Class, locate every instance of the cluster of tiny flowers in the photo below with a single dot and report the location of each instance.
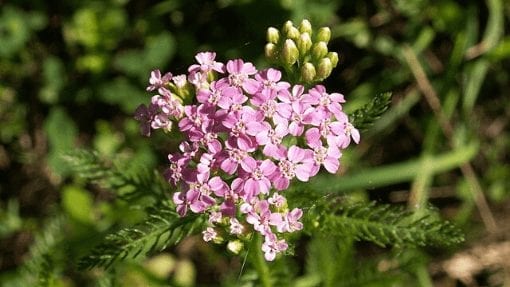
(247, 136)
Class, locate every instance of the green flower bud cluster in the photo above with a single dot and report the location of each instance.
(301, 51)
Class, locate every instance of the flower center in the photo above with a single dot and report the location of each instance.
(296, 117)
(319, 155)
(275, 139)
(214, 97)
(269, 108)
(287, 168)
(236, 154)
(257, 174)
(236, 79)
(324, 100)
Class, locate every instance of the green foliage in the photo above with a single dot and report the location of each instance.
(387, 225)
(43, 266)
(331, 262)
(364, 117)
(161, 229)
(61, 132)
(129, 183)
(10, 218)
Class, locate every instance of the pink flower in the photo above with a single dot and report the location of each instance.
(206, 63)
(277, 200)
(271, 139)
(215, 94)
(192, 199)
(215, 217)
(236, 227)
(177, 170)
(235, 156)
(209, 234)
(295, 96)
(340, 132)
(270, 85)
(259, 216)
(241, 124)
(234, 151)
(291, 222)
(168, 104)
(158, 82)
(145, 115)
(232, 99)
(195, 118)
(273, 246)
(257, 180)
(298, 163)
(298, 114)
(329, 157)
(239, 76)
(327, 103)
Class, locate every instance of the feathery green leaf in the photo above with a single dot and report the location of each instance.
(129, 185)
(387, 225)
(162, 228)
(364, 117)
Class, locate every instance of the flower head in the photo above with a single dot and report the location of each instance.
(246, 135)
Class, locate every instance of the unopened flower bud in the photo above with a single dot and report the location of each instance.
(273, 35)
(304, 43)
(290, 52)
(308, 72)
(305, 26)
(333, 56)
(319, 50)
(271, 52)
(287, 26)
(324, 68)
(235, 246)
(293, 33)
(324, 34)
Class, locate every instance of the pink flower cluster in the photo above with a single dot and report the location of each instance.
(247, 136)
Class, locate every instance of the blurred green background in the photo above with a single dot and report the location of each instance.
(72, 73)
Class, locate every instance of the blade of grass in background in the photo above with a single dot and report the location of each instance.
(395, 173)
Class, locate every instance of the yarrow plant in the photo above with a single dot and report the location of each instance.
(248, 134)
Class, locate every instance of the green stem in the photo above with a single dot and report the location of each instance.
(259, 262)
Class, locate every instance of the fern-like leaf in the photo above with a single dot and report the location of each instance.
(44, 260)
(162, 228)
(387, 225)
(364, 117)
(129, 185)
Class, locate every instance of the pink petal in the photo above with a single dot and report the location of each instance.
(295, 154)
(285, 110)
(229, 166)
(177, 198)
(249, 164)
(331, 164)
(355, 135)
(281, 183)
(267, 167)
(296, 129)
(313, 137)
(264, 185)
(336, 97)
(303, 172)
(251, 86)
(251, 188)
(182, 210)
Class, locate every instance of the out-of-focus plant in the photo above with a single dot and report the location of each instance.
(218, 171)
(70, 76)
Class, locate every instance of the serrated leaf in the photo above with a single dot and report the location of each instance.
(364, 117)
(162, 228)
